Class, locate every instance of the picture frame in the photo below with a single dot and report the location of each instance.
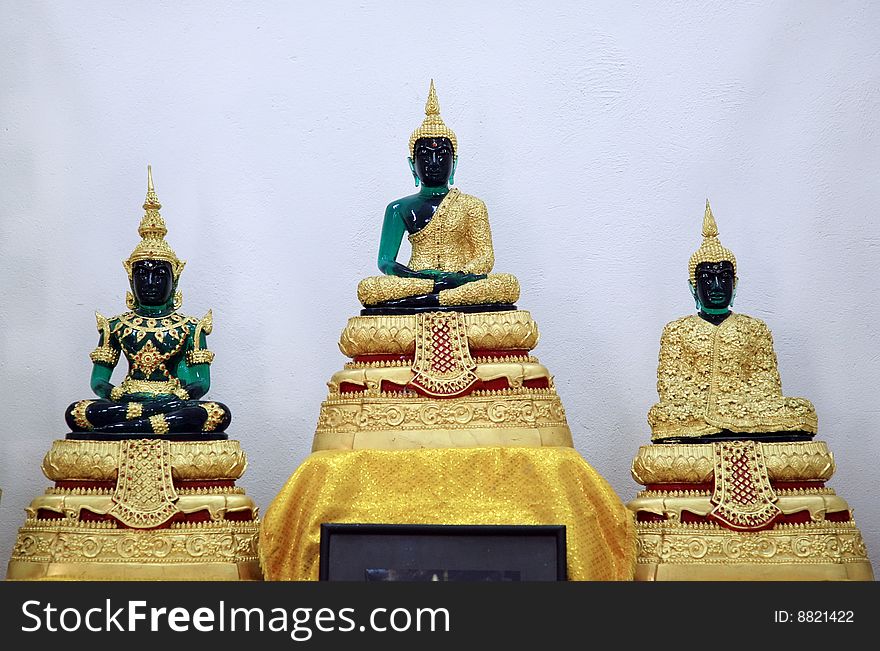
(404, 552)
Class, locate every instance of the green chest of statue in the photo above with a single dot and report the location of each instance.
(153, 346)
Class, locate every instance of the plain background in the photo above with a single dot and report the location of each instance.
(594, 132)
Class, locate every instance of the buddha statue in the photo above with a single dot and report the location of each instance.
(441, 414)
(144, 486)
(168, 362)
(734, 484)
(717, 377)
(452, 256)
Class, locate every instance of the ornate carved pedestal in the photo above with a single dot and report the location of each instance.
(445, 418)
(743, 510)
(140, 509)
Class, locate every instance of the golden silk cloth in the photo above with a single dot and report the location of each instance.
(489, 486)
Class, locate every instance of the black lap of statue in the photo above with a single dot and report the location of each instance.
(168, 362)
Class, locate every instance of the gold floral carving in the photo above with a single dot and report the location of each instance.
(396, 334)
(209, 543)
(99, 460)
(510, 408)
(817, 542)
(694, 463)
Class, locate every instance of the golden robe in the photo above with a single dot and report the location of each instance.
(457, 238)
(712, 378)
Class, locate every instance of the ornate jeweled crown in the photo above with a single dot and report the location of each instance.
(152, 231)
(710, 250)
(433, 125)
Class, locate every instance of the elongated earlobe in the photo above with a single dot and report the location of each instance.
(452, 174)
(412, 168)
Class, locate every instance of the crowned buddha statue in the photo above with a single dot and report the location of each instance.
(168, 361)
(145, 481)
(442, 415)
(735, 483)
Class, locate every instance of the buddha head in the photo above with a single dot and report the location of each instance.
(152, 282)
(433, 147)
(153, 268)
(715, 282)
(712, 270)
(433, 161)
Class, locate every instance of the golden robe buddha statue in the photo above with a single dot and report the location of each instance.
(441, 415)
(452, 255)
(717, 370)
(734, 484)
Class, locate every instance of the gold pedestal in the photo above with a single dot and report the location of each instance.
(445, 418)
(142, 509)
(743, 511)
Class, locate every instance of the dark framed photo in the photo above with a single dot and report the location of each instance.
(402, 552)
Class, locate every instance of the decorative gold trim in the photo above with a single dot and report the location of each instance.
(443, 367)
(432, 126)
(152, 230)
(210, 551)
(150, 387)
(79, 414)
(99, 460)
(711, 249)
(104, 353)
(743, 496)
(194, 357)
(371, 376)
(134, 410)
(524, 417)
(215, 415)
(396, 334)
(159, 424)
(707, 551)
(671, 504)
(216, 501)
(145, 495)
(693, 463)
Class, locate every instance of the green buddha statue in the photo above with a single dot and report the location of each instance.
(717, 376)
(452, 255)
(168, 362)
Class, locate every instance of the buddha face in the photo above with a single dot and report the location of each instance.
(433, 161)
(715, 284)
(152, 282)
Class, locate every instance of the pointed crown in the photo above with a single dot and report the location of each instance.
(152, 231)
(710, 250)
(433, 125)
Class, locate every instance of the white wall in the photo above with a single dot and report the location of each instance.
(593, 131)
